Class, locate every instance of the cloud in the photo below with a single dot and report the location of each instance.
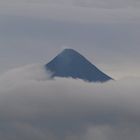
(34, 107)
(81, 3)
(89, 12)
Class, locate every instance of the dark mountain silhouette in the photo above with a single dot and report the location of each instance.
(69, 63)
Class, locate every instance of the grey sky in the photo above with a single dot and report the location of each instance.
(106, 32)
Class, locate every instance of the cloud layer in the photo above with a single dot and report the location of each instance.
(81, 3)
(33, 107)
(75, 11)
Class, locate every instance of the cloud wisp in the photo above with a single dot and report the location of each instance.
(34, 107)
(87, 12)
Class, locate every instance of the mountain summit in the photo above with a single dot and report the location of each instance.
(70, 63)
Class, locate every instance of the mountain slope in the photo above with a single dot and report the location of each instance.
(70, 63)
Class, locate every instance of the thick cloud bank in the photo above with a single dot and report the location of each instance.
(33, 107)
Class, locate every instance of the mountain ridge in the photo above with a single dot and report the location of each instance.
(70, 63)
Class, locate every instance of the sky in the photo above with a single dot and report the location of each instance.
(105, 31)
(35, 107)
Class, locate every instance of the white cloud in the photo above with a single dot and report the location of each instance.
(33, 107)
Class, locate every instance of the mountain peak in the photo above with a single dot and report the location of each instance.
(70, 63)
(69, 52)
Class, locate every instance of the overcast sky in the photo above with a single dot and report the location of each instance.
(105, 31)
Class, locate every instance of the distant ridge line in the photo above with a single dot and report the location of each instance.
(70, 63)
